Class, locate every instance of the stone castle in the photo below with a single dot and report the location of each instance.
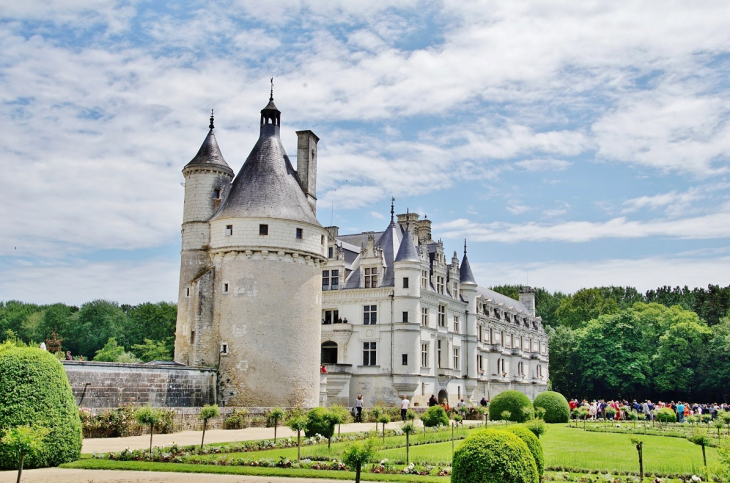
(266, 294)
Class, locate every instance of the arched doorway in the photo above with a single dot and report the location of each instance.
(443, 396)
(329, 352)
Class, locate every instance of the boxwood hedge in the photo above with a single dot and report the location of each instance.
(493, 456)
(666, 415)
(518, 405)
(34, 390)
(435, 416)
(555, 405)
(319, 422)
(533, 444)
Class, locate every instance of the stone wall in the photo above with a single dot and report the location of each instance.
(109, 385)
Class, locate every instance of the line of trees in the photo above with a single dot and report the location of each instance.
(144, 331)
(615, 342)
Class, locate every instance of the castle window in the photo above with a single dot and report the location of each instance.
(300, 233)
(438, 353)
(480, 363)
(216, 194)
(330, 317)
(229, 230)
(225, 287)
(404, 359)
(263, 229)
(192, 337)
(369, 354)
(480, 332)
(224, 348)
(335, 280)
(424, 355)
(405, 316)
(424, 317)
(424, 279)
(321, 239)
(496, 313)
(187, 292)
(370, 315)
(456, 359)
(456, 324)
(442, 316)
(325, 279)
(405, 282)
(371, 277)
(328, 354)
(331, 252)
(440, 281)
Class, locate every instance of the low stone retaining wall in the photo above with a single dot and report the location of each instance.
(109, 385)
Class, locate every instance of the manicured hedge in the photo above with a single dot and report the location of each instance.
(515, 402)
(494, 456)
(34, 390)
(533, 444)
(555, 405)
(435, 416)
(666, 415)
(318, 422)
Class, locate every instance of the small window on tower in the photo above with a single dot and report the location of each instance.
(405, 282)
(229, 230)
(331, 252)
(404, 359)
(263, 229)
(405, 316)
(321, 239)
(224, 348)
(300, 233)
(225, 287)
(187, 292)
(217, 194)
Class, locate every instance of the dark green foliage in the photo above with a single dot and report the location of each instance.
(34, 391)
(493, 456)
(666, 415)
(518, 405)
(318, 422)
(435, 416)
(533, 444)
(555, 405)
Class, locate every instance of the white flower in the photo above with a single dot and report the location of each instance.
(696, 478)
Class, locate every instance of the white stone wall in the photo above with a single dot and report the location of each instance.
(282, 235)
(200, 184)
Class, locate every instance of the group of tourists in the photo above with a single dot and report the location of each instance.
(597, 409)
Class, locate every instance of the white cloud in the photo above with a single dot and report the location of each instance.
(543, 164)
(643, 273)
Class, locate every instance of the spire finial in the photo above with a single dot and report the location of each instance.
(211, 119)
(271, 97)
(392, 209)
(464, 246)
(408, 219)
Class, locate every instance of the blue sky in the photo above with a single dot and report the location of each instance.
(572, 144)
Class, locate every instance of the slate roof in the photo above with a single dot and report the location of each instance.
(390, 242)
(465, 273)
(209, 154)
(501, 299)
(407, 251)
(267, 185)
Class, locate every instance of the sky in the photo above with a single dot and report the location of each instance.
(573, 144)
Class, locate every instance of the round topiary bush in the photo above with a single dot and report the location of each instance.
(666, 415)
(533, 444)
(34, 390)
(518, 405)
(555, 405)
(435, 416)
(494, 456)
(319, 422)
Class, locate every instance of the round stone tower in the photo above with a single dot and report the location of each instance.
(266, 250)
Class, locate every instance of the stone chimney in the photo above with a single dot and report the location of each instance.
(307, 165)
(527, 298)
(424, 229)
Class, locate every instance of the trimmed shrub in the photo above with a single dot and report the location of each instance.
(494, 456)
(666, 415)
(555, 405)
(518, 405)
(34, 391)
(319, 422)
(435, 416)
(533, 444)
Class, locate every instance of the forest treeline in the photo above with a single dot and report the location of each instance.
(145, 331)
(668, 343)
(615, 342)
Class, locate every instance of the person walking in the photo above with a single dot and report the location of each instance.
(358, 409)
(404, 405)
(432, 401)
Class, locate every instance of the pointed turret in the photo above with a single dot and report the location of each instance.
(465, 273)
(407, 251)
(209, 154)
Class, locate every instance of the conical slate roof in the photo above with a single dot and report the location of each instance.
(209, 154)
(267, 185)
(389, 242)
(407, 251)
(465, 273)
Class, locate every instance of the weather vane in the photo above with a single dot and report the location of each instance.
(271, 97)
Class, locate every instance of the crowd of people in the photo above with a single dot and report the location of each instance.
(597, 409)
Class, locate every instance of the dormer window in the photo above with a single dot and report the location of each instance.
(371, 277)
(229, 230)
